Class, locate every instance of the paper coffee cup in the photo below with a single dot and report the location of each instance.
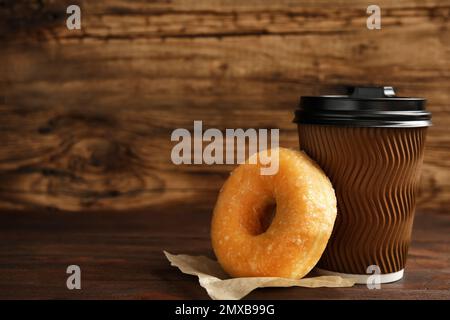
(370, 144)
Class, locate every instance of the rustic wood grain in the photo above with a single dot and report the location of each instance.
(86, 115)
(120, 256)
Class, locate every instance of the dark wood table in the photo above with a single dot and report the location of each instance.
(120, 255)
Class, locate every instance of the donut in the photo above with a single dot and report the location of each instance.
(273, 225)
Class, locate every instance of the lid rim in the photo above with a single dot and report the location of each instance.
(368, 124)
(366, 106)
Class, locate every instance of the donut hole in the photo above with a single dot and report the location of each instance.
(267, 215)
(262, 218)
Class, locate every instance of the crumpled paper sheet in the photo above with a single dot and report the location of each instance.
(220, 287)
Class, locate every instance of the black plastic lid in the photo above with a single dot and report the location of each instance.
(364, 107)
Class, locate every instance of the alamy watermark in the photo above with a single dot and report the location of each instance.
(374, 280)
(74, 280)
(73, 22)
(374, 20)
(229, 148)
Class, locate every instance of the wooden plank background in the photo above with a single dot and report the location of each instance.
(86, 115)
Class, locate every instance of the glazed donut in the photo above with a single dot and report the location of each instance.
(273, 225)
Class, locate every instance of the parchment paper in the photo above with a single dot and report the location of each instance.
(220, 286)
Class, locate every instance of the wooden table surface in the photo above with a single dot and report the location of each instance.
(120, 255)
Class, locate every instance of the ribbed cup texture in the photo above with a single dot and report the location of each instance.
(375, 173)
